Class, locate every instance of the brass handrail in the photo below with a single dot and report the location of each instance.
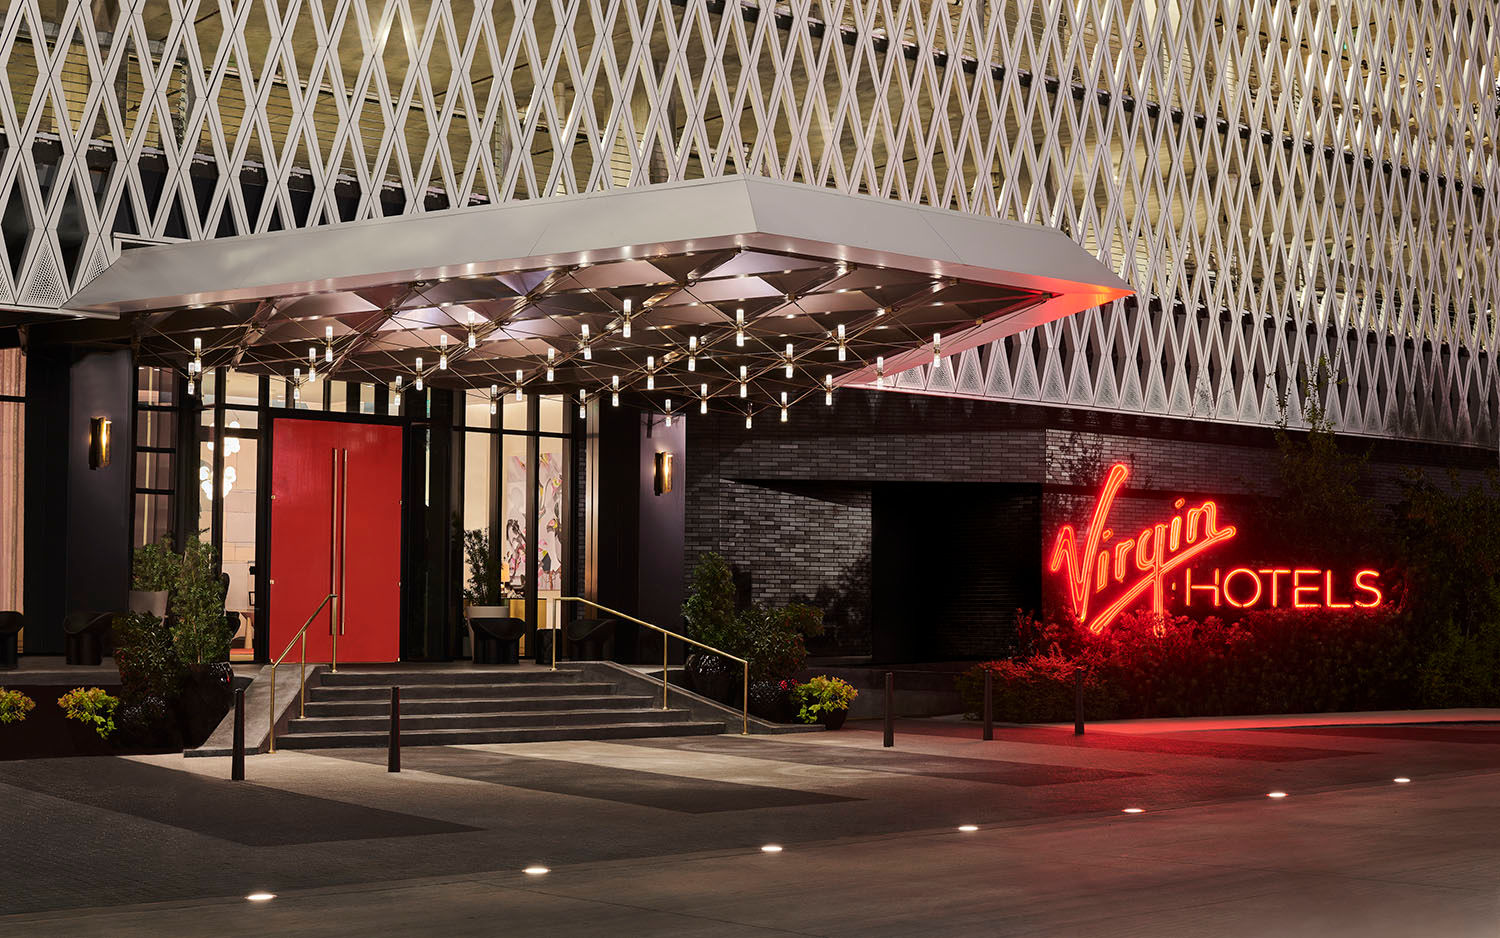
(302, 689)
(666, 633)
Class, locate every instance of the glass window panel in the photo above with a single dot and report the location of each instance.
(154, 386)
(552, 415)
(338, 392)
(155, 428)
(204, 386)
(205, 488)
(477, 408)
(367, 398)
(551, 537)
(479, 489)
(12, 378)
(513, 412)
(241, 420)
(12, 503)
(153, 470)
(242, 389)
(310, 396)
(238, 489)
(153, 518)
(278, 392)
(393, 402)
(511, 541)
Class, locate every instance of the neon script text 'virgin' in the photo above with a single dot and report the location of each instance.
(1140, 564)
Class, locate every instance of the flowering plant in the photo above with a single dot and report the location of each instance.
(821, 695)
(91, 706)
(14, 706)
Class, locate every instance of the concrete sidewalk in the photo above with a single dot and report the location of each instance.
(664, 837)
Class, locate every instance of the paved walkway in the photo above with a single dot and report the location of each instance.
(664, 837)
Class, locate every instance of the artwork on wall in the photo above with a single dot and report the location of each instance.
(549, 521)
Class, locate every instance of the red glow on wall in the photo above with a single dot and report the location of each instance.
(1118, 573)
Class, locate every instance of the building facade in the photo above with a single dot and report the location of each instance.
(1286, 190)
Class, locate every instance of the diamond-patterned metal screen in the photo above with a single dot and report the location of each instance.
(1282, 183)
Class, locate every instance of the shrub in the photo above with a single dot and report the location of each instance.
(14, 706)
(151, 679)
(155, 566)
(1273, 661)
(773, 650)
(199, 632)
(773, 640)
(821, 695)
(92, 707)
(709, 609)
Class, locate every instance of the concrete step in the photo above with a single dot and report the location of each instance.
(458, 691)
(381, 707)
(407, 677)
(478, 721)
(516, 735)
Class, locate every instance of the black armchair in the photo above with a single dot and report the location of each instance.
(11, 624)
(497, 640)
(84, 634)
(591, 639)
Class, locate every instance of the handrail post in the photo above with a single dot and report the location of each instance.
(989, 705)
(890, 709)
(556, 634)
(237, 758)
(302, 689)
(272, 709)
(664, 672)
(393, 753)
(745, 703)
(1078, 701)
(333, 666)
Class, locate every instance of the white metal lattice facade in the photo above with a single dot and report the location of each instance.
(1281, 182)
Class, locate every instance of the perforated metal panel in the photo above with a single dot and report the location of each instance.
(1281, 182)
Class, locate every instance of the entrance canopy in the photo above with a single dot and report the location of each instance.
(742, 290)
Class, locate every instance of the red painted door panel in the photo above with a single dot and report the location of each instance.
(336, 516)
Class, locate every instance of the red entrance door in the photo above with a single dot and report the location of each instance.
(336, 528)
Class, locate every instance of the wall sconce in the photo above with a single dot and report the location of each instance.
(662, 481)
(98, 442)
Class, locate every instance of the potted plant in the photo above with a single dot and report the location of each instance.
(92, 707)
(200, 637)
(824, 700)
(151, 681)
(711, 618)
(153, 575)
(484, 601)
(14, 705)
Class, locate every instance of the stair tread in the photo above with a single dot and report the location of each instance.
(418, 737)
(641, 711)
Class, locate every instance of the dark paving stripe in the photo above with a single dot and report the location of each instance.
(241, 812)
(626, 786)
(989, 771)
(1172, 744)
(1422, 732)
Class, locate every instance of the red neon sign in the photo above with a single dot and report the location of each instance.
(1135, 567)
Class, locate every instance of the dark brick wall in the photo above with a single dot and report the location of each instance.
(789, 505)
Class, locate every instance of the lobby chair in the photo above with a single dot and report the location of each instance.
(11, 624)
(84, 634)
(497, 640)
(591, 639)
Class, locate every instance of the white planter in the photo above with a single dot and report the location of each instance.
(487, 612)
(152, 601)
